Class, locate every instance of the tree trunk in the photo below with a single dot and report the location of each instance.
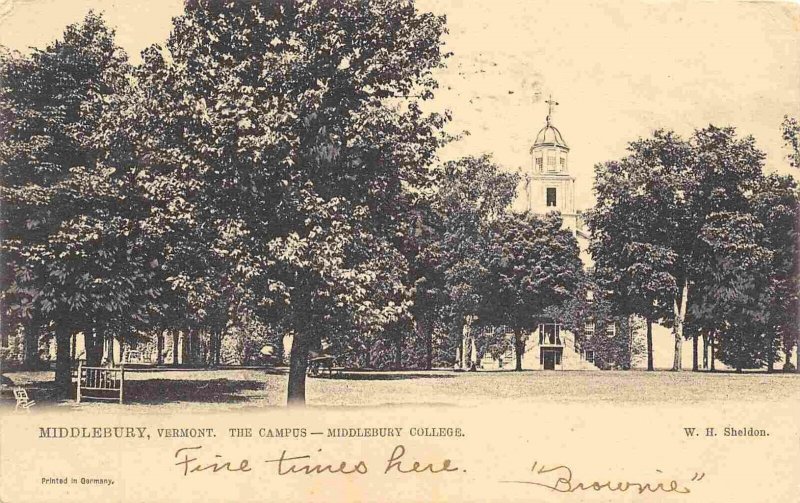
(398, 352)
(368, 354)
(428, 349)
(649, 344)
(74, 347)
(31, 358)
(713, 351)
(771, 352)
(680, 316)
(427, 335)
(298, 363)
(740, 351)
(705, 351)
(110, 355)
(93, 346)
(63, 365)
(473, 351)
(194, 340)
(464, 357)
(459, 349)
(5, 328)
(694, 352)
(279, 350)
(160, 348)
(212, 350)
(187, 346)
(218, 360)
(518, 349)
(175, 348)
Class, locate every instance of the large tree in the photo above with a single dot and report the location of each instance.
(734, 299)
(71, 221)
(279, 140)
(448, 239)
(776, 205)
(791, 135)
(656, 202)
(632, 273)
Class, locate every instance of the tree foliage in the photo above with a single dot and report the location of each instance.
(74, 248)
(531, 263)
(681, 224)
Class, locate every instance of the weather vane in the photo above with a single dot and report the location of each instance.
(550, 104)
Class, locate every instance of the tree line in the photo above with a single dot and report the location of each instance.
(274, 163)
(693, 234)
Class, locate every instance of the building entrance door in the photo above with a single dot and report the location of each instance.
(549, 360)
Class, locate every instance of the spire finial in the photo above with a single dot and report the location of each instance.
(550, 104)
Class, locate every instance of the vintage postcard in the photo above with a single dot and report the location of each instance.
(399, 251)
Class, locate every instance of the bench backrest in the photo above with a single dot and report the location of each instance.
(100, 379)
(132, 356)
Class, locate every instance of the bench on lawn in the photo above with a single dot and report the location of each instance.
(317, 365)
(132, 356)
(102, 383)
(139, 357)
(21, 395)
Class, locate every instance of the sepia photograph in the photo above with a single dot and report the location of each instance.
(358, 228)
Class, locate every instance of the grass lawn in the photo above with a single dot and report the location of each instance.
(166, 390)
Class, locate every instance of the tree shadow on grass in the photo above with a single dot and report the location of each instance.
(152, 392)
(161, 391)
(383, 376)
(177, 370)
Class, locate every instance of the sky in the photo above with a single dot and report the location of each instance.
(619, 70)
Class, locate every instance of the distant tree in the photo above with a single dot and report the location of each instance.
(470, 193)
(791, 135)
(734, 297)
(748, 298)
(776, 205)
(531, 263)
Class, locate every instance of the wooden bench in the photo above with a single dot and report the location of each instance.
(22, 400)
(99, 381)
(135, 356)
(319, 365)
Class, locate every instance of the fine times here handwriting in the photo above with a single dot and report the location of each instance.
(190, 461)
(557, 478)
